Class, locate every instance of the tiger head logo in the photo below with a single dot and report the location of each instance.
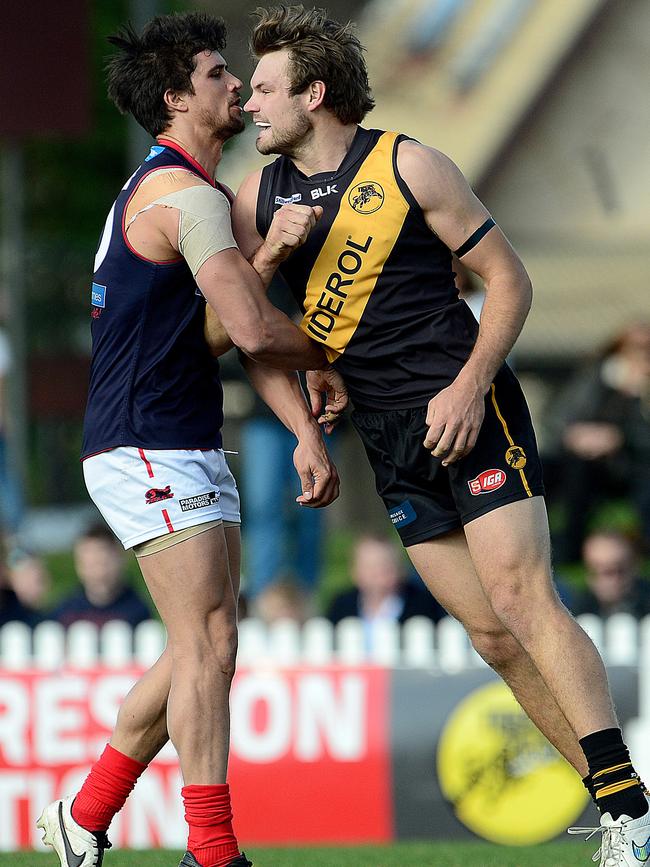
(367, 197)
(516, 457)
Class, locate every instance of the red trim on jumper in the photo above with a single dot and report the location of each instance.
(94, 454)
(165, 515)
(166, 449)
(176, 147)
(126, 208)
(147, 463)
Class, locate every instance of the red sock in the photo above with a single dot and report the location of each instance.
(209, 815)
(105, 789)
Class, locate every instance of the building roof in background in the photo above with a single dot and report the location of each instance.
(467, 71)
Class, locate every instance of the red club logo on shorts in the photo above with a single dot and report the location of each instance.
(155, 495)
(488, 480)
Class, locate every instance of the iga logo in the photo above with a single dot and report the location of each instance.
(155, 495)
(488, 480)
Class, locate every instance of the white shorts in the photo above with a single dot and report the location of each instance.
(146, 493)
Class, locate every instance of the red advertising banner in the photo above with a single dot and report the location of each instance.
(309, 758)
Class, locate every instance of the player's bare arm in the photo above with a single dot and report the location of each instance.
(454, 213)
(282, 392)
(234, 290)
(290, 228)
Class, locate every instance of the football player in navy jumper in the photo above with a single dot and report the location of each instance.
(152, 453)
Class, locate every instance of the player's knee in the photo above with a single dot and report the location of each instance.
(209, 645)
(508, 598)
(497, 647)
(221, 651)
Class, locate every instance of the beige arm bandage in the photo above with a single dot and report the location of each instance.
(204, 226)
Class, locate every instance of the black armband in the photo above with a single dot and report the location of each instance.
(474, 238)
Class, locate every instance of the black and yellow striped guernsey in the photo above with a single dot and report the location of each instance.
(375, 284)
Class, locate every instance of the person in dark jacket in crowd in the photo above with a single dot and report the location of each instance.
(382, 591)
(604, 432)
(104, 593)
(613, 582)
(29, 583)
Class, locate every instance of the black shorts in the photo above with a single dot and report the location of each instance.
(425, 499)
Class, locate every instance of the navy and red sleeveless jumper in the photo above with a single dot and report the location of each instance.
(153, 382)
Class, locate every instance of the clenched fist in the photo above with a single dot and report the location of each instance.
(290, 229)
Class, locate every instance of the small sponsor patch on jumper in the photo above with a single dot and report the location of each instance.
(98, 295)
(403, 515)
(199, 501)
(291, 200)
(321, 192)
(154, 152)
(155, 495)
(487, 481)
(516, 457)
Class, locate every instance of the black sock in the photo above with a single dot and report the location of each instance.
(588, 783)
(618, 789)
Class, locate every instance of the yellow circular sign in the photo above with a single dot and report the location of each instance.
(504, 780)
(516, 457)
(367, 197)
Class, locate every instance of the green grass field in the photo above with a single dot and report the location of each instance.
(572, 854)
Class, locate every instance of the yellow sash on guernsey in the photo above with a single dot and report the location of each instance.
(360, 240)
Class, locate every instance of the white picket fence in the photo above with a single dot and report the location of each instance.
(418, 644)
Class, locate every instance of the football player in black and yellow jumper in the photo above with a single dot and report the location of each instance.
(442, 417)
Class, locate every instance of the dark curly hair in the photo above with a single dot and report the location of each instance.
(161, 59)
(320, 49)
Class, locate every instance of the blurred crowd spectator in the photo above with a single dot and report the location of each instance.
(602, 428)
(30, 582)
(104, 593)
(24, 585)
(382, 590)
(282, 600)
(613, 582)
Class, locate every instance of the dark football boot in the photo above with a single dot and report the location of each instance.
(189, 860)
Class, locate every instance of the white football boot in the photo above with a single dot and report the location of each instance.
(75, 846)
(625, 841)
